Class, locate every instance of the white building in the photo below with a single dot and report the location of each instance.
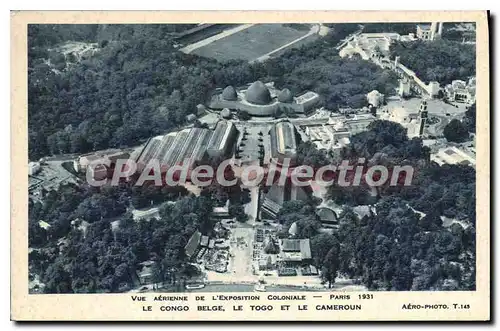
(429, 31)
(460, 91)
(433, 89)
(328, 137)
(411, 120)
(375, 98)
(368, 45)
(453, 155)
(82, 162)
(358, 123)
(404, 89)
(33, 168)
(410, 77)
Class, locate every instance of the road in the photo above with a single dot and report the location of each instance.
(315, 29)
(248, 286)
(437, 129)
(252, 207)
(240, 264)
(189, 48)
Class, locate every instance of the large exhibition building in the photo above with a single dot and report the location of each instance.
(261, 99)
(284, 140)
(189, 145)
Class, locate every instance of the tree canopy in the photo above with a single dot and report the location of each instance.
(470, 119)
(105, 259)
(448, 189)
(439, 60)
(456, 131)
(137, 84)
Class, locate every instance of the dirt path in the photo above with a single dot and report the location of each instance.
(189, 48)
(252, 207)
(241, 249)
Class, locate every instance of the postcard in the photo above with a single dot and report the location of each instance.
(253, 166)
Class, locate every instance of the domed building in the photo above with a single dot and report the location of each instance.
(261, 99)
(327, 216)
(258, 94)
(225, 113)
(229, 94)
(285, 96)
(375, 98)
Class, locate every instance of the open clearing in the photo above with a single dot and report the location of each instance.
(251, 43)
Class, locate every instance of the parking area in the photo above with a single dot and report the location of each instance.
(249, 140)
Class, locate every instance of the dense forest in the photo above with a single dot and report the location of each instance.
(440, 60)
(396, 247)
(447, 190)
(393, 249)
(103, 258)
(136, 84)
(93, 244)
(451, 32)
(60, 207)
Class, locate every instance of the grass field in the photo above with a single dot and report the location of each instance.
(251, 43)
(298, 44)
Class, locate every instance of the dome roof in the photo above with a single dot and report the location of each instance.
(375, 98)
(225, 113)
(326, 214)
(258, 94)
(285, 96)
(229, 94)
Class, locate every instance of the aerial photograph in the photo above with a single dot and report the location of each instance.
(283, 157)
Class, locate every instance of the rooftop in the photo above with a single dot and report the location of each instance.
(326, 214)
(193, 243)
(174, 148)
(285, 137)
(229, 94)
(309, 95)
(258, 94)
(296, 245)
(453, 155)
(220, 134)
(285, 96)
(424, 26)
